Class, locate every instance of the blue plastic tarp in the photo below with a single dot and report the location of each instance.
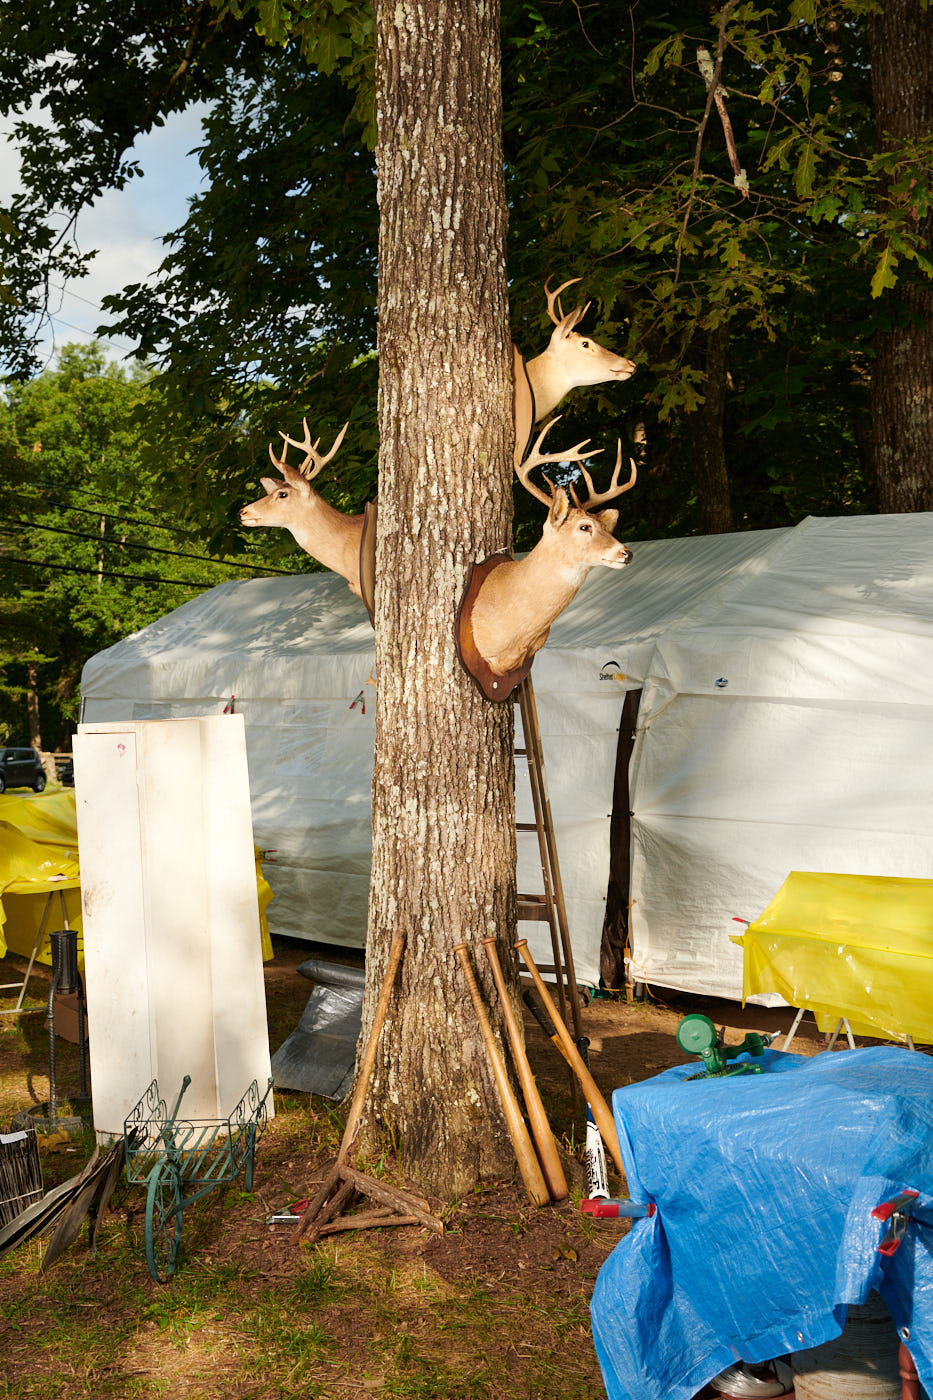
(764, 1186)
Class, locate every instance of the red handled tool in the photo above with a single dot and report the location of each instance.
(610, 1209)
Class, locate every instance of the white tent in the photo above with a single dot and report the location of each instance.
(785, 723)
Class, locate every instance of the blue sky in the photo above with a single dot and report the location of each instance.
(125, 228)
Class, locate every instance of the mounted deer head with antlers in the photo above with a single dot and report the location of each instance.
(292, 504)
(510, 615)
(570, 360)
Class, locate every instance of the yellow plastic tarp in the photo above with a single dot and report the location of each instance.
(39, 859)
(853, 946)
(48, 818)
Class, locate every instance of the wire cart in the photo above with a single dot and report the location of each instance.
(182, 1159)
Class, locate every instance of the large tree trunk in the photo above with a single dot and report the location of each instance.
(443, 806)
(902, 373)
(32, 704)
(709, 448)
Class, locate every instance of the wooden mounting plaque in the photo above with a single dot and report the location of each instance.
(523, 405)
(368, 559)
(494, 687)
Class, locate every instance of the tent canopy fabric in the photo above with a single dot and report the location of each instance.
(786, 678)
(786, 727)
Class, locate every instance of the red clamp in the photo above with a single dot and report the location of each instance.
(604, 1208)
(897, 1211)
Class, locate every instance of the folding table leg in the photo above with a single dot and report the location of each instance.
(835, 1035)
(15, 1010)
(794, 1028)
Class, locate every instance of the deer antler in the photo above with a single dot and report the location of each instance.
(575, 316)
(537, 458)
(596, 498)
(310, 449)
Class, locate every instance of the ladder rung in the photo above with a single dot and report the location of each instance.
(526, 826)
(534, 907)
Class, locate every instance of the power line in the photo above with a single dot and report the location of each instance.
(103, 508)
(92, 335)
(108, 574)
(148, 548)
(69, 293)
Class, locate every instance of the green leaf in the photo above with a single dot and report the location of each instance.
(272, 23)
(806, 171)
(669, 51)
(884, 277)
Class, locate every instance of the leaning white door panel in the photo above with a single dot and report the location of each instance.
(171, 920)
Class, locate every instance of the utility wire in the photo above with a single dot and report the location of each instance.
(68, 293)
(91, 335)
(103, 509)
(108, 574)
(131, 544)
(124, 520)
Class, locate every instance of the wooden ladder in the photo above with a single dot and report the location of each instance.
(548, 907)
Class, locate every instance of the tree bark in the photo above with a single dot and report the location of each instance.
(902, 372)
(709, 448)
(32, 704)
(443, 800)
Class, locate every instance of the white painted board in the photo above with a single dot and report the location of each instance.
(173, 962)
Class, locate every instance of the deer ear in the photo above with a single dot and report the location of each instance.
(608, 519)
(560, 508)
(566, 324)
(562, 329)
(269, 484)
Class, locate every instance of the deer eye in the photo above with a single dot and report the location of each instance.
(586, 527)
(584, 345)
(282, 495)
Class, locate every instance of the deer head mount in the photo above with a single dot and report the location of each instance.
(509, 604)
(292, 504)
(346, 543)
(570, 360)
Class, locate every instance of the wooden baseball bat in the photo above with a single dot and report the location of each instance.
(528, 1163)
(601, 1110)
(369, 1055)
(594, 1156)
(536, 1007)
(540, 1127)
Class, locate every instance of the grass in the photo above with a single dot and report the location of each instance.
(496, 1309)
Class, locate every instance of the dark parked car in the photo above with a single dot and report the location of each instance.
(21, 768)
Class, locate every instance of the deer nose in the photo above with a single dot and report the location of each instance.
(626, 554)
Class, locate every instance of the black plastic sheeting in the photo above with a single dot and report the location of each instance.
(320, 1054)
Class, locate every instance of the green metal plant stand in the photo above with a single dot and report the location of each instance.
(181, 1159)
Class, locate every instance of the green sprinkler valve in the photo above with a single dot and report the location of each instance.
(696, 1035)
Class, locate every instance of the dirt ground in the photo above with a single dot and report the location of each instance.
(536, 1266)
